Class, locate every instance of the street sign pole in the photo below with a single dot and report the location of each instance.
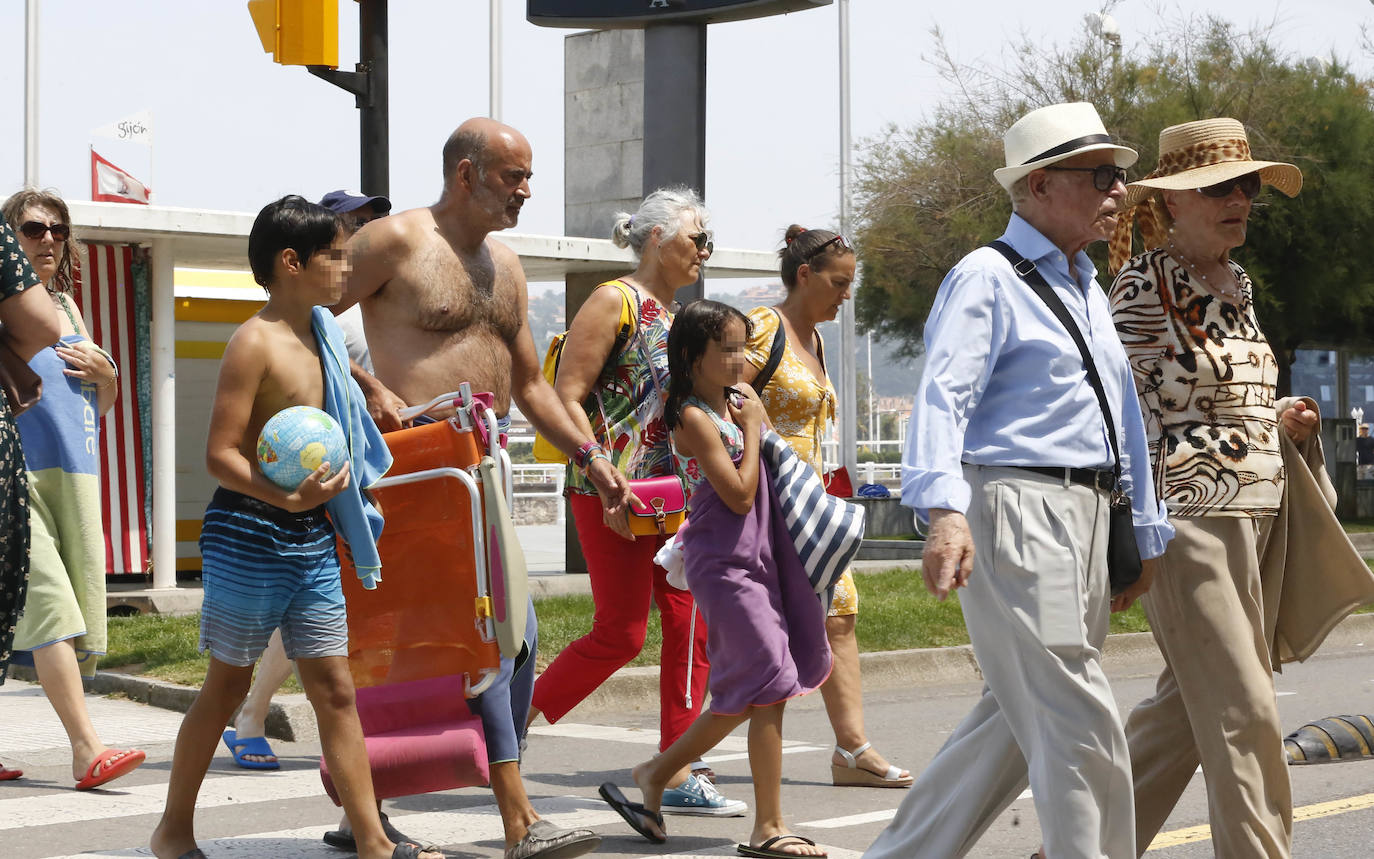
(370, 88)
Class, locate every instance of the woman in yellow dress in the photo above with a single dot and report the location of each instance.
(817, 267)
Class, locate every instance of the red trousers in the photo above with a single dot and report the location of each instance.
(624, 577)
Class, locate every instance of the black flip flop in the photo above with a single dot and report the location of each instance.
(345, 841)
(409, 850)
(765, 851)
(634, 814)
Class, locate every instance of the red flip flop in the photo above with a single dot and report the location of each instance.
(109, 765)
(9, 775)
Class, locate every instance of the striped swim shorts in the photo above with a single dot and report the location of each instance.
(262, 568)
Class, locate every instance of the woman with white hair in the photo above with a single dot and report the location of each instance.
(613, 382)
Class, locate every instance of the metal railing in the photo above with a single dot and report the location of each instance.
(536, 480)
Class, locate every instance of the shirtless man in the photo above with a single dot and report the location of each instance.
(444, 303)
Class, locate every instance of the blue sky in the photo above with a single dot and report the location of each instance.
(234, 130)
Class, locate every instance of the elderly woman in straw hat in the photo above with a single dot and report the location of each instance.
(1206, 379)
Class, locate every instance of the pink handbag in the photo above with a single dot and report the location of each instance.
(663, 509)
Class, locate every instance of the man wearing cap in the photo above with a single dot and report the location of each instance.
(1009, 461)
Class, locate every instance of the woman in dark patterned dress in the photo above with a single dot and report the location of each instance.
(28, 323)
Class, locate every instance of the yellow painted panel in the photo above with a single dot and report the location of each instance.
(214, 277)
(188, 530)
(216, 309)
(211, 349)
(187, 564)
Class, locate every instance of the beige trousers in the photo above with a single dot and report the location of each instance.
(1214, 703)
(1036, 607)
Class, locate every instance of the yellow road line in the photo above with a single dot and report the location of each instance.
(1191, 834)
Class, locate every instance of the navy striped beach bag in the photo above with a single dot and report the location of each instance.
(826, 530)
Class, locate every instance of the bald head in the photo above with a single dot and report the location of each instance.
(476, 140)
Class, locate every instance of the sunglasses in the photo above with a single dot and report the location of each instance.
(1104, 175)
(703, 242)
(35, 230)
(1249, 185)
(838, 241)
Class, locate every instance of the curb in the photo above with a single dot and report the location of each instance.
(636, 689)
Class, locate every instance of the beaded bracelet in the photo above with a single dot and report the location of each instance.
(584, 453)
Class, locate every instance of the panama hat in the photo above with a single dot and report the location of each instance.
(1205, 152)
(1052, 134)
(1192, 155)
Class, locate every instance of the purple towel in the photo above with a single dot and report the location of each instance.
(765, 627)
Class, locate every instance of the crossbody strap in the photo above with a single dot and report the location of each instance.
(1036, 281)
(765, 374)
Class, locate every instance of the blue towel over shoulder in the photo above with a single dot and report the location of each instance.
(354, 516)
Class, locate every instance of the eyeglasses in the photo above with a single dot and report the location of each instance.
(820, 249)
(1104, 175)
(1249, 185)
(703, 242)
(35, 230)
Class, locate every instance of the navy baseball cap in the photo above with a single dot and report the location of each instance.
(342, 202)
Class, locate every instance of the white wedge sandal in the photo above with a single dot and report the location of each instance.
(853, 775)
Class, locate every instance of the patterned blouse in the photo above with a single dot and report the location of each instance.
(625, 406)
(1206, 378)
(730, 435)
(799, 405)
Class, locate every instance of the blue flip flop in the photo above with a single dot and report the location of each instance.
(250, 746)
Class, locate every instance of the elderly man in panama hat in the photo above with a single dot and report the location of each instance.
(1012, 461)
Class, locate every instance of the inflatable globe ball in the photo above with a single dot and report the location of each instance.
(296, 441)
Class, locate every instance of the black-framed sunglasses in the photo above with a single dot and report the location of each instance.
(703, 242)
(1104, 175)
(820, 249)
(1249, 185)
(35, 230)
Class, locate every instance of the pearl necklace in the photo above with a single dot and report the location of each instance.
(1234, 291)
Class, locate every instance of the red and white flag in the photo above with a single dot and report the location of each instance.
(109, 184)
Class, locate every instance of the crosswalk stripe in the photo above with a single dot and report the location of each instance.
(729, 850)
(434, 827)
(121, 801)
(610, 733)
(444, 828)
(851, 819)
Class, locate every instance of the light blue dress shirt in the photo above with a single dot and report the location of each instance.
(1004, 384)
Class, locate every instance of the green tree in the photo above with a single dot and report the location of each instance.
(926, 195)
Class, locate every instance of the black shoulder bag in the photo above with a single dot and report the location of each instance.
(1123, 555)
(775, 351)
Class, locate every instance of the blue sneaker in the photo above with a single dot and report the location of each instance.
(695, 796)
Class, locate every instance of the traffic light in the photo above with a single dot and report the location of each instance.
(298, 32)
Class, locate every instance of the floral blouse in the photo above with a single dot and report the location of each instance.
(1206, 378)
(625, 407)
(799, 405)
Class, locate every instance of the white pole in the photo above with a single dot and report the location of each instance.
(849, 381)
(495, 59)
(31, 93)
(872, 396)
(164, 419)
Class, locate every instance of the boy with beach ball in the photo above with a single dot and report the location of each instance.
(267, 547)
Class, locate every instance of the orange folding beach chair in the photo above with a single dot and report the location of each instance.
(453, 585)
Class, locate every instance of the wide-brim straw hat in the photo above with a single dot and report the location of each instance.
(1192, 155)
(1052, 134)
(1205, 152)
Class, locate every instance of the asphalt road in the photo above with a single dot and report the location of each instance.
(283, 814)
